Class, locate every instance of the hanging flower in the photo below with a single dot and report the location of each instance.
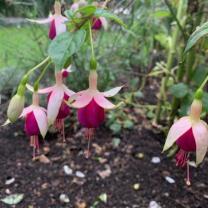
(98, 23)
(56, 21)
(91, 105)
(35, 123)
(191, 135)
(57, 109)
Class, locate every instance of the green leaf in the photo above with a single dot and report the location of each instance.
(162, 13)
(87, 10)
(64, 46)
(109, 15)
(13, 199)
(196, 35)
(179, 90)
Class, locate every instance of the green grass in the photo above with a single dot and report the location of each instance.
(20, 46)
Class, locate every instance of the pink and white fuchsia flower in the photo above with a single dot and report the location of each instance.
(191, 135)
(91, 105)
(56, 21)
(57, 109)
(35, 123)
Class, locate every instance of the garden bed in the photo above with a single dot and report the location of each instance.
(130, 179)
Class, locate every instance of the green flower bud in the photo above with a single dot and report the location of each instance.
(16, 107)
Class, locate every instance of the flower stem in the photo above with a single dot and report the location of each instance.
(93, 63)
(38, 65)
(170, 59)
(36, 84)
(203, 83)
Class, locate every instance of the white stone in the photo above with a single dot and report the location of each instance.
(155, 160)
(67, 170)
(154, 204)
(64, 198)
(79, 174)
(169, 179)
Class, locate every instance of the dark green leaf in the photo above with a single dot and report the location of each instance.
(64, 46)
(109, 15)
(179, 90)
(199, 33)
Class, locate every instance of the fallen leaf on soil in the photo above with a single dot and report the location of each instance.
(81, 205)
(98, 149)
(43, 159)
(105, 173)
(103, 197)
(13, 199)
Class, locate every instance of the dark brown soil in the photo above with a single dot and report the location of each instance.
(42, 183)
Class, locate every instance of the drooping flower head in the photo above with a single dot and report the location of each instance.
(35, 122)
(190, 134)
(56, 21)
(91, 105)
(57, 109)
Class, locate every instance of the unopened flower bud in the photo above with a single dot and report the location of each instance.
(16, 107)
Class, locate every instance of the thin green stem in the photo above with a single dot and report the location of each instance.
(37, 66)
(91, 41)
(42, 74)
(203, 83)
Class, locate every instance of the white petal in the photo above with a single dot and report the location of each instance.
(41, 119)
(112, 92)
(103, 102)
(54, 104)
(68, 91)
(200, 132)
(177, 129)
(41, 21)
(60, 25)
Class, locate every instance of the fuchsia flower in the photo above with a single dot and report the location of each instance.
(98, 23)
(91, 105)
(57, 22)
(57, 109)
(35, 122)
(191, 135)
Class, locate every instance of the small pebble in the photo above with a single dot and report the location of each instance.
(205, 196)
(79, 174)
(136, 186)
(67, 170)
(169, 180)
(155, 160)
(7, 191)
(140, 155)
(10, 181)
(64, 198)
(154, 204)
